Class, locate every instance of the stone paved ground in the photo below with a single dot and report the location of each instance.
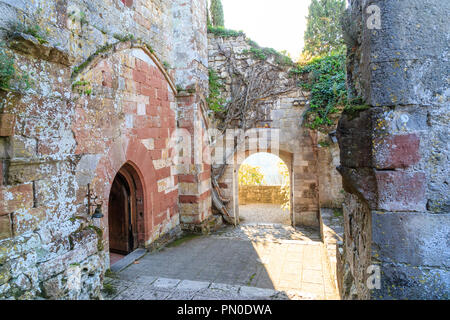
(263, 212)
(234, 263)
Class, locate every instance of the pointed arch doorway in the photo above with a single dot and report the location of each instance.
(125, 212)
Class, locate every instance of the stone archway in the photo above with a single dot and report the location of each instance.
(285, 156)
(267, 202)
(126, 219)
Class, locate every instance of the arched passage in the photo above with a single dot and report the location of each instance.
(126, 217)
(264, 190)
(232, 172)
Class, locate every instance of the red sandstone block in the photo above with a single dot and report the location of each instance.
(155, 154)
(163, 133)
(160, 143)
(399, 151)
(144, 133)
(15, 197)
(139, 76)
(128, 3)
(401, 191)
(146, 90)
(163, 95)
(205, 175)
(129, 107)
(162, 173)
(187, 178)
(189, 199)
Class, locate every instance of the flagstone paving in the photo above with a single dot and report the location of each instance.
(251, 261)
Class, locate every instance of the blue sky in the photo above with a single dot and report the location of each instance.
(279, 24)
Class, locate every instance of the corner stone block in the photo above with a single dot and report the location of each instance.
(5, 227)
(399, 151)
(393, 241)
(401, 191)
(16, 197)
(355, 140)
(360, 182)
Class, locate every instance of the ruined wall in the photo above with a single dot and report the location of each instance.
(260, 194)
(331, 194)
(394, 151)
(98, 99)
(297, 145)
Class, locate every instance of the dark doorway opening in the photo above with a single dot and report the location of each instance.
(125, 212)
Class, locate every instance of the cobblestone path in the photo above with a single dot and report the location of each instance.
(251, 261)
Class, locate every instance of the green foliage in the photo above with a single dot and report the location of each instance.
(323, 33)
(216, 10)
(257, 51)
(353, 108)
(250, 175)
(166, 65)
(215, 102)
(123, 38)
(224, 33)
(264, 53)
(324, 143)
(337, 213)
(327, 86)
(7, 70)
(34, 30)
(185, 238)
(109, 289)
(82, 87)
(77, 70)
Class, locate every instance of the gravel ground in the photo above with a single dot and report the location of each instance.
(263, 212)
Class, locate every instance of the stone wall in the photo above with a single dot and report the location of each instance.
(393, 152)
(294, 144)
(98, 99)
(331, 194)
(260, 194)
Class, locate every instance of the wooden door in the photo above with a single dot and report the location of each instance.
(119, 217)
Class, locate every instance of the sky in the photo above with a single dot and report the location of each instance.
(279, 24)
(268, 166)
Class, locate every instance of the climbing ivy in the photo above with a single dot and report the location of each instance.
(326, 82)
(215, 102)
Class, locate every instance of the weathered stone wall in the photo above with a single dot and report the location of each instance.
(190, 56)
(331, 194)
(260, 194)
(96, 102)
(284, 112)
(394, 151)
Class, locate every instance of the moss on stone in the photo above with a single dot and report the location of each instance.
(183, 239)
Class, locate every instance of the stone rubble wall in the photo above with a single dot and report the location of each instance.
(70, 129)
(393, 152)
(260, 194)
(331, 193)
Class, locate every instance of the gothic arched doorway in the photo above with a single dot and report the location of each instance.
(125, 212)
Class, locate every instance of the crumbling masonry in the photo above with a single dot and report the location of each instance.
(101, 89)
